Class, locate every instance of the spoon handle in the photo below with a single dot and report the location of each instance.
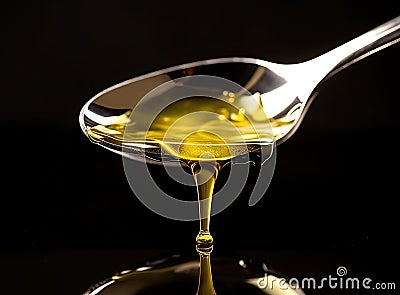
(368, 43)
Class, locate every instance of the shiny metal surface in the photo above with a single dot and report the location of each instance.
(282, 91)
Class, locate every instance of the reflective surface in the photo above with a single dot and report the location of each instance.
(178, 275)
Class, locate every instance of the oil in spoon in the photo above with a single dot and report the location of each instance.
(215, 126)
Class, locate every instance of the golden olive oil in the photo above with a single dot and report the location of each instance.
(189, 129)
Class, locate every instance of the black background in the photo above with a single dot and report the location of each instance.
(68, 216)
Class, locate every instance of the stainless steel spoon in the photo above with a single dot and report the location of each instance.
(283, 91)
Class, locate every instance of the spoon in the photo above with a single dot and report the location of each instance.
(282, 91)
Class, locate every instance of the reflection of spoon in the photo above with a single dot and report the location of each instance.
(282, 92)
